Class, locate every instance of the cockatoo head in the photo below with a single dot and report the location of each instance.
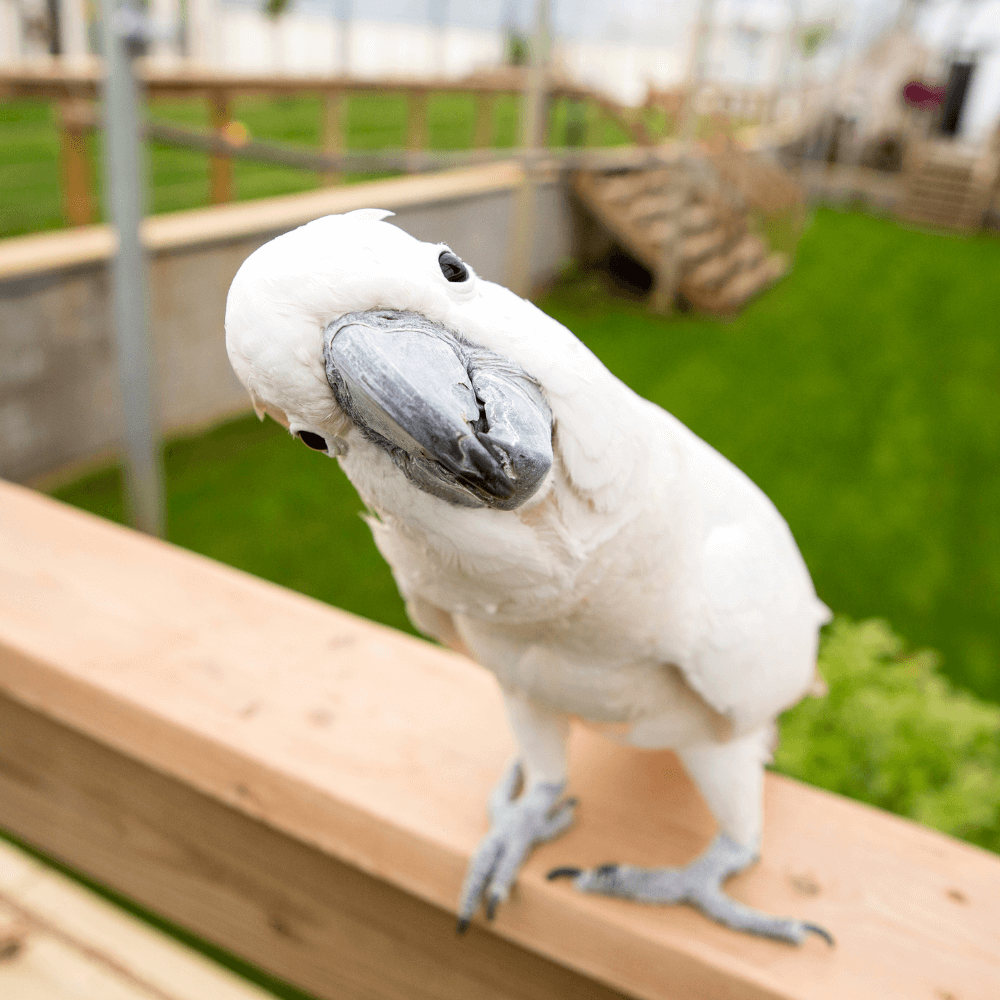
(349, 322)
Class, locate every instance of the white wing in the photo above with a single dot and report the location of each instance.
(758, 653)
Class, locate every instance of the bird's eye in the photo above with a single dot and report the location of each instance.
(452, 267)
(314, 441)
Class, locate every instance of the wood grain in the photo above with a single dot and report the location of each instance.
(333, 130)
(74, 161)
(59, 941)
(203, 740)
(288, 908)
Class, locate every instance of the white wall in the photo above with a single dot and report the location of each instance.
(10, 32)
(621, 70)
(310, 43)
(970, 29)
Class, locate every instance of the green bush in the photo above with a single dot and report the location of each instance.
(894, 733)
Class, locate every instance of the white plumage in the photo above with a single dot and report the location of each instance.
(648, 587)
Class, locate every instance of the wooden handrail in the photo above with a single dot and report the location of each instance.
(413, 158)
(74, 86)
(304, 788)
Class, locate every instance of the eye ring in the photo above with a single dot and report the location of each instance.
(452, 266)
(311, 440)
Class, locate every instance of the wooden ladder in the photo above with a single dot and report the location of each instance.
(683, 224)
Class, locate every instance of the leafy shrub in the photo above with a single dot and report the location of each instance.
(894, 733)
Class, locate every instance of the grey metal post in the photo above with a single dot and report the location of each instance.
(125, 188)
(696, 70)
(522, 230)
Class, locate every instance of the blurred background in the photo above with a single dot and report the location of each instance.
(779, 219)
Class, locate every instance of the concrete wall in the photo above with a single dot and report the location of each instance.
(59, 402)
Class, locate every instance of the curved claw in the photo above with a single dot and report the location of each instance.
(564, 873)
(822, 932)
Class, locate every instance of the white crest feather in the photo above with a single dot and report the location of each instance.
(369, 214)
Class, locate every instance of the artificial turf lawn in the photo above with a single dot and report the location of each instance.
(29, 147)
(861, 394)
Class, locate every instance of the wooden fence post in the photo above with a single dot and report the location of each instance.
(220, 167)
(75, 117)
(667, 275)
(333, 131)
(416, 126)
(485, 105)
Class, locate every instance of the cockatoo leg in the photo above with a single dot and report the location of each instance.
(524, 809)
(517, 824)
(730, 777)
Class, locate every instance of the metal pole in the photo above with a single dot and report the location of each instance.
(522, 240)
(788, 53)
(125, 185)
(696, 70)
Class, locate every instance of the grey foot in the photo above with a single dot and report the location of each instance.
(517, 824)
(700, 884)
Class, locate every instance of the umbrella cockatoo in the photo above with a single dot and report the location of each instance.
(581, 543)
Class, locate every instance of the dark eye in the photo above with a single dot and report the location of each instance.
(314, 441)
(452, 267)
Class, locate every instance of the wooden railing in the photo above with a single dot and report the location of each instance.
(77, 89)
(304, 788)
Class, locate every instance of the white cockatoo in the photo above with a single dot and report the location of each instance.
(581, 543)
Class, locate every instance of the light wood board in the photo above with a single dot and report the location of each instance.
(207, 700)
(59, 941)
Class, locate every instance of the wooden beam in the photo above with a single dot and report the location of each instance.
(75, 120)
(54, 932)
(667, 275)
(334, 131)
(416, 123)
(484, 129)
(220, 167)
(305, 788)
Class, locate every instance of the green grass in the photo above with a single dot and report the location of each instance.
(861, 394)
(29, 147)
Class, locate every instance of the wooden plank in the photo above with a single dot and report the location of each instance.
(63, 942)
(416, 122)
(333, 130)
(483, 134)
(666, 277)
(74, 161)
(220, 167)
(206, 704)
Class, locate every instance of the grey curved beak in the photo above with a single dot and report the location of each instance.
(461, 422)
